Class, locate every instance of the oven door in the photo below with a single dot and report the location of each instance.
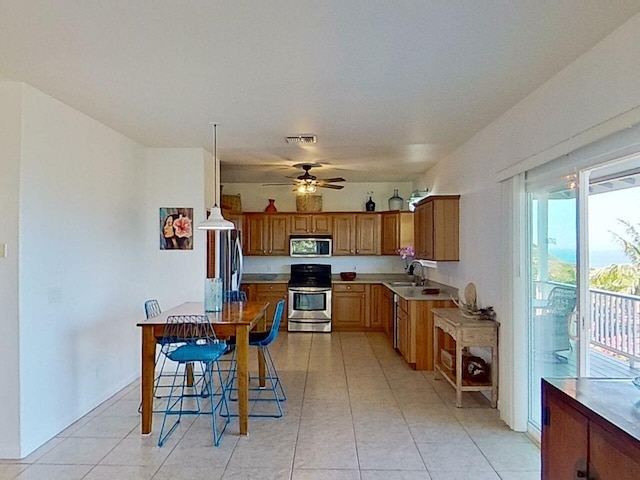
(309, 309)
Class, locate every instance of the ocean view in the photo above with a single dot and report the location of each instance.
(597, 258)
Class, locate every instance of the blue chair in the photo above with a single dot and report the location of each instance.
(191, 339)
(262, 340)
(152, 309)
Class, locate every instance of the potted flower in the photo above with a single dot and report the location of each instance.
(407, 254)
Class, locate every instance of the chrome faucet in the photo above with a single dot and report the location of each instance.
(420, 279)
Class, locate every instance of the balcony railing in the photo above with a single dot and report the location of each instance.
(615, 321)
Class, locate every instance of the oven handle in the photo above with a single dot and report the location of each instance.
(309, 289)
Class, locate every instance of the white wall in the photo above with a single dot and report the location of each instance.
(351, 198)
(81, 245)
(10, 137)
(595, 89)
(174, 178)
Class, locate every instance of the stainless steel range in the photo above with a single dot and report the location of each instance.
(310, 298)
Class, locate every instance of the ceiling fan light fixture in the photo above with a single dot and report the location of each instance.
(305, 188)
(303, 138)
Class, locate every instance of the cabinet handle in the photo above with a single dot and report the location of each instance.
(357, 251)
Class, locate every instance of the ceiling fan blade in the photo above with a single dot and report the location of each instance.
(332, 180)
(335, 187)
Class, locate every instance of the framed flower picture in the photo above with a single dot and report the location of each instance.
(176, 229)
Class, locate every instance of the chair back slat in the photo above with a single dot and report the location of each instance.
(187, 330)
(275, 325)
(152, 308)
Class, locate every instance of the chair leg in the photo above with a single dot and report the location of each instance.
(275, 386)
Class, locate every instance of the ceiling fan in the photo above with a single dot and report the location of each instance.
(308, 183)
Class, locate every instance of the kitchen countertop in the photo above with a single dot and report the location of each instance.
(408, 292)
(413, 293)
(265, 278)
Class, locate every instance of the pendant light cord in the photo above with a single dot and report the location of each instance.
(216, 167)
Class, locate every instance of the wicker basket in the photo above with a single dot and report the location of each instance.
(231, 203)
(309, 203)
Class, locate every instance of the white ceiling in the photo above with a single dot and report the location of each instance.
(389, 87)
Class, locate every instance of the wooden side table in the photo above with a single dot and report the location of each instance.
(465, 332)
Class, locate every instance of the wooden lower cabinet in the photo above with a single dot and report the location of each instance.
(350, 307)
(415, 331)
(587, 432)
(272, 293)
(386, 311)
(376, 312)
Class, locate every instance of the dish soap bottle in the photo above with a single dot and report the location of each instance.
(396, 202)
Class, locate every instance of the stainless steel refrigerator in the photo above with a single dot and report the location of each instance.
(229, 258)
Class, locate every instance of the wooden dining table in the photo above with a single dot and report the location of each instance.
(235, 319)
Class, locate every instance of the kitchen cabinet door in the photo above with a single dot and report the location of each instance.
(386, 309)
(310, 223)
(564, 440)
(396, 231)
(610, 457)
(279, 235)
(344, 234)
(255, 234)
(273, 293)
(367, 234)
(266, 234)
(349, 310)
(356, 234)
(404, 336)
(436, 228)
(376, 311)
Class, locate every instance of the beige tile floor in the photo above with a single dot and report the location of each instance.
(355, 411)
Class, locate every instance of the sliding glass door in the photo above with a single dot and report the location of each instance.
(583, 264)
(553, 285)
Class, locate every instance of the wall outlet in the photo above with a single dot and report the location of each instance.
(268, 268)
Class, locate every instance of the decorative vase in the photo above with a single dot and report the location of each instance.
(396, 202)
(271, 208)
(370, 206)
(213, 295)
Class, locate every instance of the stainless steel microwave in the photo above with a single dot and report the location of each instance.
(310, 245)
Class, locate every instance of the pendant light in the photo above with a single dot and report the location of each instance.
(215, 220)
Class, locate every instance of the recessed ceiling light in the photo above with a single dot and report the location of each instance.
(304, 138)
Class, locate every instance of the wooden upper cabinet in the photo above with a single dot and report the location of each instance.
(266, 234)
(367, 234)
(436, 228)
(344, 234)
(397, 231)
(311, 223)
(356, 234)
(235, 218)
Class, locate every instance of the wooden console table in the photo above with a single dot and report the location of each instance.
(464, 332)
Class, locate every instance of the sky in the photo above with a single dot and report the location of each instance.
(604, 211)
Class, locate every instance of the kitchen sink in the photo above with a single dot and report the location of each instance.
(403, 284)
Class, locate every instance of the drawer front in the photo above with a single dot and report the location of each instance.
(271, 287)
(446, 328)
(479, 336)
(348, 287)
